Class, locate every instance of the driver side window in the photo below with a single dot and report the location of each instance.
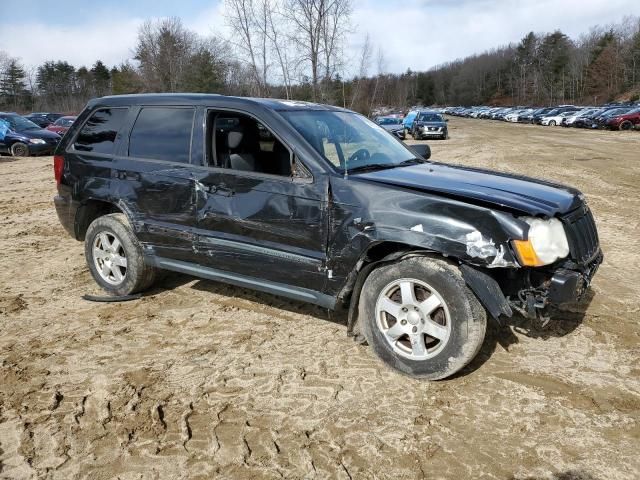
(239, 142)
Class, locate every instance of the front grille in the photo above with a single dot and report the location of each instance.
(582, 234)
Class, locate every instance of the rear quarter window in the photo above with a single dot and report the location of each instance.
(162, 133)
(98, 135)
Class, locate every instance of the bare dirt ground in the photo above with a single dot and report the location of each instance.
(202, 380)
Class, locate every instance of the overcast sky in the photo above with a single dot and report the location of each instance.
(416, 34)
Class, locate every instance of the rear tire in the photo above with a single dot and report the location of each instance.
(441, 304)
(20, 149)
(115, 257)
(626, 125)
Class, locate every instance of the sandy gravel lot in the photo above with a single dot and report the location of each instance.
(202, 380)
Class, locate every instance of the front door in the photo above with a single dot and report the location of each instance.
(256, 215)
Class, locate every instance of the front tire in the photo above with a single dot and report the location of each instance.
(626, 125)
(552, 123)
(20, 149)
(420, 318)
(115, 257)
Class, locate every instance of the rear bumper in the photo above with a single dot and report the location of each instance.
(41, 149)
(66, 213)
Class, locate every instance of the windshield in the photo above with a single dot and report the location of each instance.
(389, 121)
(348, 139)
(64, 122)
(18, 123)
(430, 117)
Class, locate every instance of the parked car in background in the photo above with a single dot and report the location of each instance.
(429, 124)
(555, 119)
(625, 121)
(392, 124)
(537, 115)
(408, 120)
(517, 115)
(571, 119)
(26, 138)
(601, 121)
(61, 125)
(42, 119)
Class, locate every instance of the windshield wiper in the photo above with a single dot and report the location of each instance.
(372, 166)
(384, 166)
(412, 161)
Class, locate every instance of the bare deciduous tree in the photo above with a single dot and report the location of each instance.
(319, 27)
(248, 20)
(363, 69)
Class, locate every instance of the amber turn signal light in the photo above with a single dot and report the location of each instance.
(526, 254)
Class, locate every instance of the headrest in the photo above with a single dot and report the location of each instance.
(234, 139)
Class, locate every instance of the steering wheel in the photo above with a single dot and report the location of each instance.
(360, 155)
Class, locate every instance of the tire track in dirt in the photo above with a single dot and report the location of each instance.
(202, 377)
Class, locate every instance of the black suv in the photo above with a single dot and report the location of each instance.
(319, 204)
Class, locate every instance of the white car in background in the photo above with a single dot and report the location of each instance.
(554, 120)
(515, 115)
(512, 116)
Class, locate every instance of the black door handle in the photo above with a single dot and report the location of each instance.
(220, 190)
(124, 175)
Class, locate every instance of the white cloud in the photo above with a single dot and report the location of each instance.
(107, 39)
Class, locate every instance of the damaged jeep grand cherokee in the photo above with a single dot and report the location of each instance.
(318, 204)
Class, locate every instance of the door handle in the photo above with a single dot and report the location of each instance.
(125, 175)
(220, 190)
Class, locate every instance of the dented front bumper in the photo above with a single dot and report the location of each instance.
(530, 291)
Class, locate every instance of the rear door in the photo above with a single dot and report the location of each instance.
(266, 220)
(153, 181)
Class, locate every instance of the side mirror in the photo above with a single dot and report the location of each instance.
(421, 150)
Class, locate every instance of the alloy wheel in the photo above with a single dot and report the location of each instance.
(413, 318)
(109, 258)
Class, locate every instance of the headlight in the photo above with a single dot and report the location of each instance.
(547, 242)
(36, 141)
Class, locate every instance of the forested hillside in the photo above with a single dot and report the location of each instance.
(274, 53)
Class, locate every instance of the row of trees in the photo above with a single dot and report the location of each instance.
(295, 49)
(543, 69)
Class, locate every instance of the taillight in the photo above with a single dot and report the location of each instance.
(58, 165)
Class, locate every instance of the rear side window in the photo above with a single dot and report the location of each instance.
(162, 133)
(98, 135)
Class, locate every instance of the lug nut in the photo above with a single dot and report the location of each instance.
(414, 329)
(403, 322)
(405, 309)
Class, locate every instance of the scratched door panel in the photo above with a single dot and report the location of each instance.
(263, 226)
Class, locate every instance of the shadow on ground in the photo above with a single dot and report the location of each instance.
(503, 333)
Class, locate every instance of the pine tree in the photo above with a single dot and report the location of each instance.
(13, 85)
(101, 79)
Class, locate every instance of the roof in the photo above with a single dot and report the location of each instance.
(206, 98)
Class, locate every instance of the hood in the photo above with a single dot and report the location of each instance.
(39, 133)
(527, 195)
(393, 128)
